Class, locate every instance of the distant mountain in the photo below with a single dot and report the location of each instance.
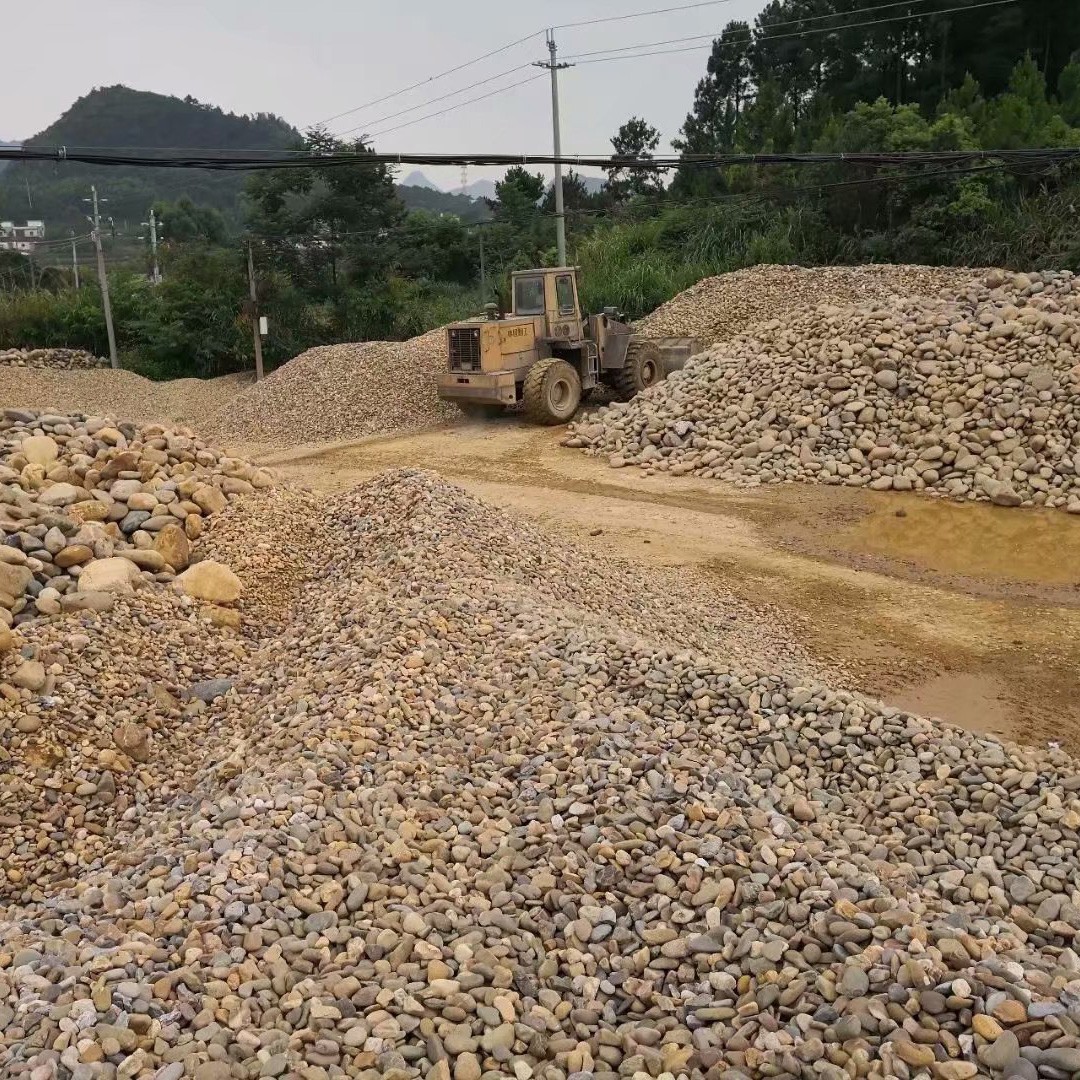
(418, 179)
(479, 189)
(117, 116)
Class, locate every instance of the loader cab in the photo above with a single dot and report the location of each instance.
(552, 293)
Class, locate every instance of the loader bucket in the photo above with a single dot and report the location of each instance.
(674, 352)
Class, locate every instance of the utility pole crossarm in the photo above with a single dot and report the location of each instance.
(553, 65)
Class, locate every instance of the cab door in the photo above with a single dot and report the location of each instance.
(563, 306)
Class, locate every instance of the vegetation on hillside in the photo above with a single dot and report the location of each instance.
(118, 117)
(341, 256)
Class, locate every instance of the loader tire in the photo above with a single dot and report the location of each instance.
(552, 392)
(642, 368)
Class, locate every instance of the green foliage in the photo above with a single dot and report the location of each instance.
(635, 139)
(183, 221)
(326, 226)
(415, 197)
(637, 265)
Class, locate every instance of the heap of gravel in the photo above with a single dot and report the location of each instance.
(718, 308)
(345, 391)
(78, 493)
(106, 392)
(972, 398)
(59, 359)
(449, 818)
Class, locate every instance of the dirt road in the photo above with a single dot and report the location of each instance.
(970, 613)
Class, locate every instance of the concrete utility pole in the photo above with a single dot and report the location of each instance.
(74, 259)
(554, 67)
(483, 267)
(153, 247)
(103, 279)
(255, 316)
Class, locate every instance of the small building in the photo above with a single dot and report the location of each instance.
(23, 238)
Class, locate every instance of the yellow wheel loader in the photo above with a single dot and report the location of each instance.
(548, 356)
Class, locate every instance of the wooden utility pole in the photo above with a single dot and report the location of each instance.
(103, 280)
(254, 315)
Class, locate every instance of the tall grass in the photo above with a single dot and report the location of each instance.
(638, 265)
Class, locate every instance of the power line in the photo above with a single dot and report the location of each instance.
(255, 160)
(433, 78)
(753, 39)
(514, 44)
(435, 100)
(640, 14)
(754, 35)
(61, 242)
(460, 105)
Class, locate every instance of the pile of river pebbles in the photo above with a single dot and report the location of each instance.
(450, 821)
(79, 494)
(974, 397)
(58, 359)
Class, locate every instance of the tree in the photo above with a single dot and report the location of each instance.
(517, 195)
(182, 222)
(327, 225)
(576, 196)
(1069, 94)
(437, 247)
(520, 233)
(635, 139)
(14, 271)
(721, 95)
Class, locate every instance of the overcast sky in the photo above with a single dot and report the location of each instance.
(307, 60)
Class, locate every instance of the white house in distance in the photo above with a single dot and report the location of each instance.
(22, 238)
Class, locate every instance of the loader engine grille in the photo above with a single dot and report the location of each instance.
(464, 349)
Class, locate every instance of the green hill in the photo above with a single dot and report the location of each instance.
(117, 117)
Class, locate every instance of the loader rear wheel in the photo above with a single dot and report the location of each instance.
(481, 410)
(643, 368)
(552, 392)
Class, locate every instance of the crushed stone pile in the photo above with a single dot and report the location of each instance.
(971, 398)
(455, 818)
(718, 308)
(89, 508)
(61, 359)
(345, 391)
(104, 392)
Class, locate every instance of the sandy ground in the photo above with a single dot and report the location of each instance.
(969, 613)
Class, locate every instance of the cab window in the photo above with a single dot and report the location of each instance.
(564, 292)
(529, 296)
